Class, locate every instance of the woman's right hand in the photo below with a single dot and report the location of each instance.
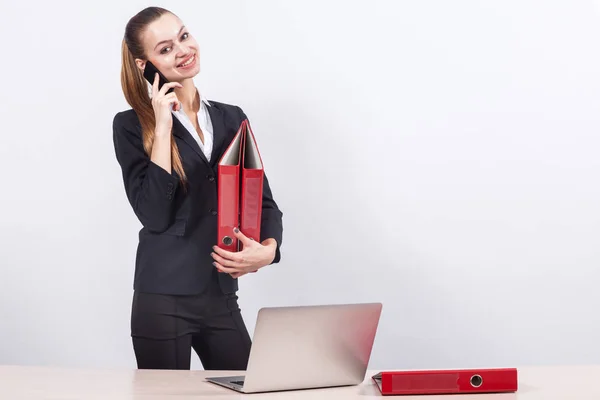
(163, 104)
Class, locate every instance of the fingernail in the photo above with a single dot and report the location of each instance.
(236, 230)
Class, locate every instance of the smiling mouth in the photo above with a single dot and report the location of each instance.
(188, 62)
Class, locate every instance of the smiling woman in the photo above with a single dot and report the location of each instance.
(168, 145)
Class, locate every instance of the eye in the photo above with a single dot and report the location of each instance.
(163, 51)
(185, 36)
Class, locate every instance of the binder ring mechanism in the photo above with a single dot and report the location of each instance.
(476, 381)
(227, 241)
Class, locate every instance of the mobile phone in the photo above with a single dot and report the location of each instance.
(149, 73)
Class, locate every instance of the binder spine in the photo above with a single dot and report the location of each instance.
(228, 207)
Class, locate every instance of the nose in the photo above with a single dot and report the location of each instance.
(183, 51)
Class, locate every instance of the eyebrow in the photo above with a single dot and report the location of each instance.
(169, 40)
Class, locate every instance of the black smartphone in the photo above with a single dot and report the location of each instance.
(150, 72)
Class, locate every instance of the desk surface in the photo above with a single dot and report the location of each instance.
(25, 382)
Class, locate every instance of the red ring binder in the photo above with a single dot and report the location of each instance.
(490, 380)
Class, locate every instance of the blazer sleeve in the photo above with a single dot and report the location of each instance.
(272, 217)
(149, 188)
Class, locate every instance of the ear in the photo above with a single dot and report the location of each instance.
(140, 63)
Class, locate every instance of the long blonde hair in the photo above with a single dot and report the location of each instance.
(135, 86)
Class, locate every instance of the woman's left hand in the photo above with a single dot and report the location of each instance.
(253, 256)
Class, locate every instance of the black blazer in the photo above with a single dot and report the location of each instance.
(179, 228)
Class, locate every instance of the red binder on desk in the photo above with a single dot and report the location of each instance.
(495, 380)
(240, 189)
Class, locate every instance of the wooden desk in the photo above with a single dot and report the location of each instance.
(25, 383)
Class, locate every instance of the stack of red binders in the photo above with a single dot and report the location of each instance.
(240, 180)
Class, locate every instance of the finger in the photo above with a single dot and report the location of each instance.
(169, 85)
(236, 275)
(234, 256)
(155, 85)
(246, 241)
(225, 269)
(171, 99)
(226, 263)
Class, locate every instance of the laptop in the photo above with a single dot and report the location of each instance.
(307, 347)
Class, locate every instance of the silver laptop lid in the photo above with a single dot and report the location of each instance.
(304, 347)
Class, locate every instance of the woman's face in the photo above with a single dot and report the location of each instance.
(171, 48)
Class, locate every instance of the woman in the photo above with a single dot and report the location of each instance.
(168, 147)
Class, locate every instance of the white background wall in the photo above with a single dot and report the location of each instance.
(440, 157)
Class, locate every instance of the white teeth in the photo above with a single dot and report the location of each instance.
(189, 61)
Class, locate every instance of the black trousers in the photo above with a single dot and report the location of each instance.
(165, 329)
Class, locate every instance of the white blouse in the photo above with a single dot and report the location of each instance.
(205, 125)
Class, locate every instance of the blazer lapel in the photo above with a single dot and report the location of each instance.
(219, 133)
(181, 131)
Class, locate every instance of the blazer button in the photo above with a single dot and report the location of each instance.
(170, 185)
(213, 212)
(211, 178)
